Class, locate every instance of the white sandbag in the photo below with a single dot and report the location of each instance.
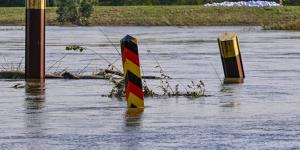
(243, 3)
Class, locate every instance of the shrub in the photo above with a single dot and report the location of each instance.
(75, 11)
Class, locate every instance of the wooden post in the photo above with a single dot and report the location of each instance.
(35, 39)
(231, 58)
(132, 73)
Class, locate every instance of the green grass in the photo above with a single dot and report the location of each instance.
(287, 17)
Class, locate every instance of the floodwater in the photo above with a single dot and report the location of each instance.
(261, 113)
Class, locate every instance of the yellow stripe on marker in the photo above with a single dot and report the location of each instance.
(229, 45)
(134, 100)
(35, 4)
(132, 67)
(134, 40)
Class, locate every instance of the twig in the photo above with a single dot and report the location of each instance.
(107, 61)
(57, 67)
(3, 67)
(166, 77)
(11, 66)
(64, 70)
(84, 68)
(108, 39)
(6, 62)
(57, 62)
(183, 86)
(20, 63)
(215, 71)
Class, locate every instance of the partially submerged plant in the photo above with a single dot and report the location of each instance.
(10, 66)
(147, 91)
(192, 90)
(166, 87)
(12, 70)
(75, 48)
(197, 89)
(118, 90)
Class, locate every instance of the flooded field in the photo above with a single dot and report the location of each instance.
(262, 113)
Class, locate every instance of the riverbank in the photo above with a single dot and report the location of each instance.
(284, 18)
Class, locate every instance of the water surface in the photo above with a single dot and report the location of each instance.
(262, 113)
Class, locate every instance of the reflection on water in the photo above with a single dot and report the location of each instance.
(233, 80)
(35, 94)
(34, 117)
(133, 116)
(132, 130)
(230, 95)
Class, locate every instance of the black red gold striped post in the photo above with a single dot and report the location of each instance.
(132, 72)
(231, 58)
(35, 39)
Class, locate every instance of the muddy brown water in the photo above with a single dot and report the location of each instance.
(262, 113)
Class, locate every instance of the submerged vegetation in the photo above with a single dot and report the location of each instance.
(112, 74)
(75, 48)
(192, 90)
(287, 17)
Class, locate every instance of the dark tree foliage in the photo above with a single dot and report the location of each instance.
(74, 11)
(17, 3)
(21, 3)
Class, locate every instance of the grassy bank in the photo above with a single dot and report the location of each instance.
(272, 18)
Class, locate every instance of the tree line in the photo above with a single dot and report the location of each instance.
(21, 3)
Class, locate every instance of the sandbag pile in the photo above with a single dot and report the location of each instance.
(246, 4)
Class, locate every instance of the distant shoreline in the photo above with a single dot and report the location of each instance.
(279, 18)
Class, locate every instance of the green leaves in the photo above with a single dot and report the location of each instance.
(75, 48)
(75, 11)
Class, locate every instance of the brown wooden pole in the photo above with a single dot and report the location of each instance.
(35, 39)
(231, 58)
